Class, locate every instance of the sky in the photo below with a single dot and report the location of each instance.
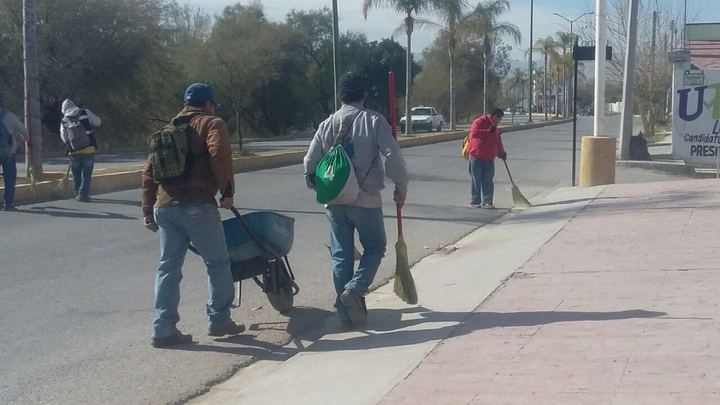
(382, 22)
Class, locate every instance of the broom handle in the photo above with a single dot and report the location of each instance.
(508, 170)
(399, 219)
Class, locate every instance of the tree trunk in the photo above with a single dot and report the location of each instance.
(409, 25)
(237, 128)
(451, 55)
(545, 102)
(486, 73)
(33, 120)
(557, 93)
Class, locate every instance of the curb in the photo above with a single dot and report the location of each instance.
(130, 178)
(671, 167)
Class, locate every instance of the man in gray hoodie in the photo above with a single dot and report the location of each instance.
(77, 131)
(10, 127)
(367, 142)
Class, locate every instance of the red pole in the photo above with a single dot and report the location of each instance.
(392, 103)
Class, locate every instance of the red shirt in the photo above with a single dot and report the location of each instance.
(485, 144)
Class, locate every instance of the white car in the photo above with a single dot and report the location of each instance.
(424, 118)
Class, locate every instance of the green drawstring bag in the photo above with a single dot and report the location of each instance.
(335, 179)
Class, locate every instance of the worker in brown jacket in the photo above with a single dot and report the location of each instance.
(185, 211)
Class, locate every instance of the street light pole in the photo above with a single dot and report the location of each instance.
(572, 37)
(626, 125)
(600, 63)
(530, 67)
(336, 50)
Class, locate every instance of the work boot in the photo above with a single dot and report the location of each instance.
(355, 307)
(227, 328)
(175, 339)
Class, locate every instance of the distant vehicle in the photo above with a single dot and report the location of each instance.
(424, 118)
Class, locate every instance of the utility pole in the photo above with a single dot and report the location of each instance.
(600, 63)
(336, 50)
(33, 122)
(530, 67)
(626, 124)
(653, 97)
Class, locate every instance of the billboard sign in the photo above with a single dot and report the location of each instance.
(696, 115)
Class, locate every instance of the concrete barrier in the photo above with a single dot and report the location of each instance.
(126, 178)
(597, 161)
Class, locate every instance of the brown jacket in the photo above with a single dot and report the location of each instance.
(211, 169)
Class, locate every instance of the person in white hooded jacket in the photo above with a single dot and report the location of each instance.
(77, 131)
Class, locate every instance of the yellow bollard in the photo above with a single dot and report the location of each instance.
(597, 161)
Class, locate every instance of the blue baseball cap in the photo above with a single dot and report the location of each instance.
(199, 94)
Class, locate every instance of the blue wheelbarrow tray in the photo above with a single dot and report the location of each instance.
(273, 231)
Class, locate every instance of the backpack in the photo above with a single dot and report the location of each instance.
(6, 140)
(79, 132)
(465, 151)
(170, 150)
(335, 179)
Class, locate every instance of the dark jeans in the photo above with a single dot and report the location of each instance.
(482, 188)
(9, 168)
(82, 168)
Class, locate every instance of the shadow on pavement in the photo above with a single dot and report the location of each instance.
(398, 335)
(70, 213)
(115, 201)
(300, 320)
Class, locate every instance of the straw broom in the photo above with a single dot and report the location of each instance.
(519, 200)
(404, 285)
(62, 187)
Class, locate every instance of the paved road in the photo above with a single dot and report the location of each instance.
(76, 279)
(109, 160)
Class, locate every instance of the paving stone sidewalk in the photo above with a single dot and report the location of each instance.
(620, 307)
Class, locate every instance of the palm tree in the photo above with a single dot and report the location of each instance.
(547, 47)
(565, 40)
(483, 21)
(410, 8)
(452, 16)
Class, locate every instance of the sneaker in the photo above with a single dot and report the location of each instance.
(9, 207)
(475, 205)
(83, 198)
(488, 206)
(227, 328)
(172, 340)
(354, 304)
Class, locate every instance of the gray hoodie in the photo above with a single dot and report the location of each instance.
(16, 128)
(69, 109)
(371, 138)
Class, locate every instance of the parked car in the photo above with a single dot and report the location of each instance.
(424, 118)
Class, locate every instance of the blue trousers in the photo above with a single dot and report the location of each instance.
(482, 173)
(179, 226)
(9, 168)
(82, 168)
(344, 220)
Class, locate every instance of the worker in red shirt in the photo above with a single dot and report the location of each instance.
(484, 146)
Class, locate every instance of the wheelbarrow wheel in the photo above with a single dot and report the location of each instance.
(279, 286)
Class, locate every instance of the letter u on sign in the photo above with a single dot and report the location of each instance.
(683, 106)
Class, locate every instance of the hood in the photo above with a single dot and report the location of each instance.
(69, 109)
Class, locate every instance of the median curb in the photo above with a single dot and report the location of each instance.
(129, 178)
(679, 168)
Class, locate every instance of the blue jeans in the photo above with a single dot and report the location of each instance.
(82, 168)
(179, 225)
(9, 168)
(482, 188)
(344, 220)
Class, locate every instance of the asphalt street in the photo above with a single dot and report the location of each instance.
(76, 280)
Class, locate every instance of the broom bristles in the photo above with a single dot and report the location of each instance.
(519, 200)
(404, 285)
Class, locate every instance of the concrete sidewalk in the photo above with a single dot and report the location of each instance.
(603, 295)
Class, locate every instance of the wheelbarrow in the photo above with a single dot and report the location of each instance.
(258, 244)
